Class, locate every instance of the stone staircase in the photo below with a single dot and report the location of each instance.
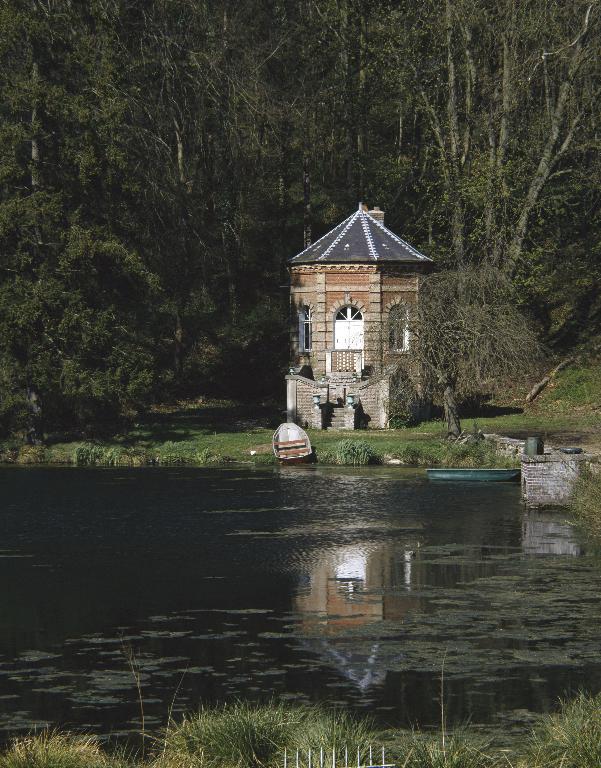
(341, 418)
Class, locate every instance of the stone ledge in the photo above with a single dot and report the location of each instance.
(558, 456)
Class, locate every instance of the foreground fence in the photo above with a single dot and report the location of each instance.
(337, 758)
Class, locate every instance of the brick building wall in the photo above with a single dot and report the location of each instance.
(373, 288)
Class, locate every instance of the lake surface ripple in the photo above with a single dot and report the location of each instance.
(349, 586)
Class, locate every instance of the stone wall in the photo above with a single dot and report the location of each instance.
(370, 396)
(374, 397)
(548, 480)
(506, 446)
(299, 401)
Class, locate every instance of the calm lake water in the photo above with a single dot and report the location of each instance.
(349, 586)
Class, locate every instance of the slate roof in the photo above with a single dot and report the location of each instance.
(360, 238)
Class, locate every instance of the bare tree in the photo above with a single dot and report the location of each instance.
(467, 336)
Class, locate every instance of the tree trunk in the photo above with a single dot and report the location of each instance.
(457, 216)
(451, 412)
(35, 149)
(180, 152)
(306, 202)
(539, 386)
(178, 346)
(552, 149)
(34, 430)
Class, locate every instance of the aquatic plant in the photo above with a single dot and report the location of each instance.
(205, 456)
(183, 453)
(445, 454)
(167, 454)
(89, 455)
(354, 453)
(31, 454)
(570, 738)
(52, 749)
(94, 455)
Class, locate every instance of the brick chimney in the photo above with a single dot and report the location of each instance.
(377, 214)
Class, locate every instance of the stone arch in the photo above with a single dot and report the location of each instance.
(348, 323)
(332, 311)
(345, 302)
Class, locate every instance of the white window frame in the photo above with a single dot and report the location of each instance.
(394, 347)
(305, 330)
(352, 317)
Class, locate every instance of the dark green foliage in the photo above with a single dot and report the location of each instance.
(350, 452)
(151, 179)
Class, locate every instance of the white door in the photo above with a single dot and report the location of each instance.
(348, 329)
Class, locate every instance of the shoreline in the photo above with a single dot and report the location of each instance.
(250, 735)
(224, 449)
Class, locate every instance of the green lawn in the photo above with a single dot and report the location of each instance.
(568, 411)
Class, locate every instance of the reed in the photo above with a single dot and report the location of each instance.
(52, 749)
(336, 730)
(351, 453)
(456, 751)
(166, 454)
(479, 455)
(570, 738)
(237, 735)
(243, 735)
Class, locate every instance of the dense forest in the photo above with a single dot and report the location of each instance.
(160, 160)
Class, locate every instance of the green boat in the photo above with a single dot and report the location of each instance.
(479, 475)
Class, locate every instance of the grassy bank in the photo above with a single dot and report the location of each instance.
(213, 433)
(586, 504)
(330, 449)
(246, 736)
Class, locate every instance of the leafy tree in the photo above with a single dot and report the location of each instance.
(468, 337)
(160, 161)
(73, 292)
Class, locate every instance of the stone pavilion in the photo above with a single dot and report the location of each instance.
(351, 293)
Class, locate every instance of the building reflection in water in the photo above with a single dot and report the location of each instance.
(548, 533)
(351, 587)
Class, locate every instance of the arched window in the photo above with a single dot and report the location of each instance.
(348, 328)
(398, 328)
(305, 330)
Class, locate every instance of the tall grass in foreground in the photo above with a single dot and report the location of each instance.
(51, 749)
(244, 735)
(569, 739)
(457, 751)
